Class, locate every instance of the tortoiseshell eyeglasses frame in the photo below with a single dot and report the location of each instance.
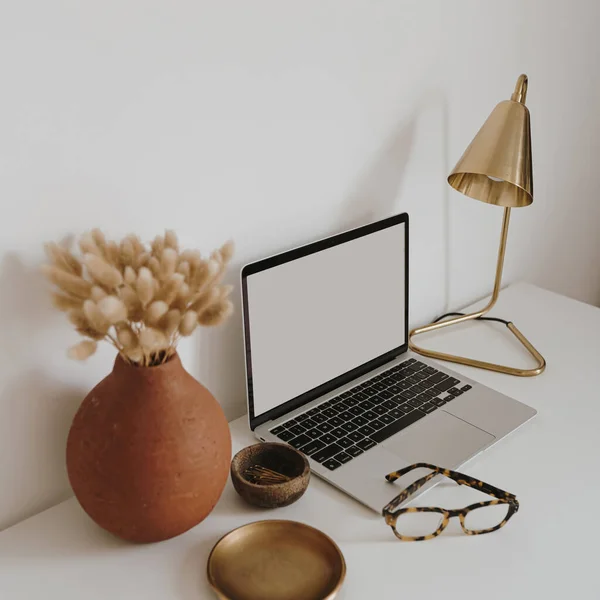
(391, 516)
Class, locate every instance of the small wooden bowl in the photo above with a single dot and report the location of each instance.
(278, 457)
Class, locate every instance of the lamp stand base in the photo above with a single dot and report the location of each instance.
(471, 362)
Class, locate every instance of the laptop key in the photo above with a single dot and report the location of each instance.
(332, 464)
(376, 424)
(465, 388)
(299, 441)
(396, 426)
(366, 444)
(356, 411)
(355, 436)
(405, 408)
(345, 442)
(395, 413)
(360, 421)
(313, 433)
(387, 419)
(429, 370)
(325, 427)
(336, 421)
(366, 430)
(437, 377)
(360, 396)
(394, 389)
(327, 452)
(309, 423)
(329, 412)
(349, 426)
(366, 404)
(354, 451)
(380, 386)
(407, 394)
(380, 410)
(277, 430)
(389, 404)
(428, 407)
(319, 418)
(343, 457)
(438, 402)
(369, 415)
(346, 416)
(312, 447)
(312, 411)
(296, 429)
(371, 391)
(453, 391)
(338, 432)
(327, 439)
(349, 402)
(386, 395)
(415, 402)
(446, 384)
(419, 365)
(286, 435)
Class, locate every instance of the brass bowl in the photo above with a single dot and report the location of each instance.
(276, 560)
(277, 457)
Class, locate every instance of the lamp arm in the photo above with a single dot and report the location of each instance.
(495, 293)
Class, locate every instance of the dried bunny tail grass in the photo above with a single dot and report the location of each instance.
(127, 252)
(170, 322)
(152, 340)
(154, 266)
(158, 245)
(138, 246)
(64, 302)
(216, 314)
(224, 291)
(171, 240)
(95, 317)
(127, 337)
(129, 275)
(102, 272)
(168, 263)
(90, 333)
(63, 259)
(204, 274)
(188, 323)
(97, 293)
(184, 268)
(226, 251)
(113, 309)
(170, 288)
(141, 259)
(82, 350)
(113, 255)
(183, 298)
(211, 296)
(131, 300)
(71, 285)
(155, 312)
(100, 240)
(88, 245)
(145, 286)
(77, 318)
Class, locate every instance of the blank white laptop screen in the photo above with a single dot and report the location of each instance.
(317, 317)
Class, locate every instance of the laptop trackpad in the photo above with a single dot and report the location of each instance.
(440, 439)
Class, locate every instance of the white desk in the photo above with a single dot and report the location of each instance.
(548, 550)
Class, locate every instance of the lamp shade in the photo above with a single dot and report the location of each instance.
(496, 167)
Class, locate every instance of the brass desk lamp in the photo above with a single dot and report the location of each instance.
(496, 168)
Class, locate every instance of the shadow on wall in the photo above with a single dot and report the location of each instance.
(37, 408)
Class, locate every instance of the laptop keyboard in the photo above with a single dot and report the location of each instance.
(344, 427)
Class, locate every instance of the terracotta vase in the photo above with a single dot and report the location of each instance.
(148, 452)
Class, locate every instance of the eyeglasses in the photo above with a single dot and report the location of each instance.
(414, 523)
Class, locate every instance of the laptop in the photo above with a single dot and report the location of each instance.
(329, 372)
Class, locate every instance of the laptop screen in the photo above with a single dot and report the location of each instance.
(318, 313)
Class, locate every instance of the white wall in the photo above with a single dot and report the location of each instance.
(273, 123)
